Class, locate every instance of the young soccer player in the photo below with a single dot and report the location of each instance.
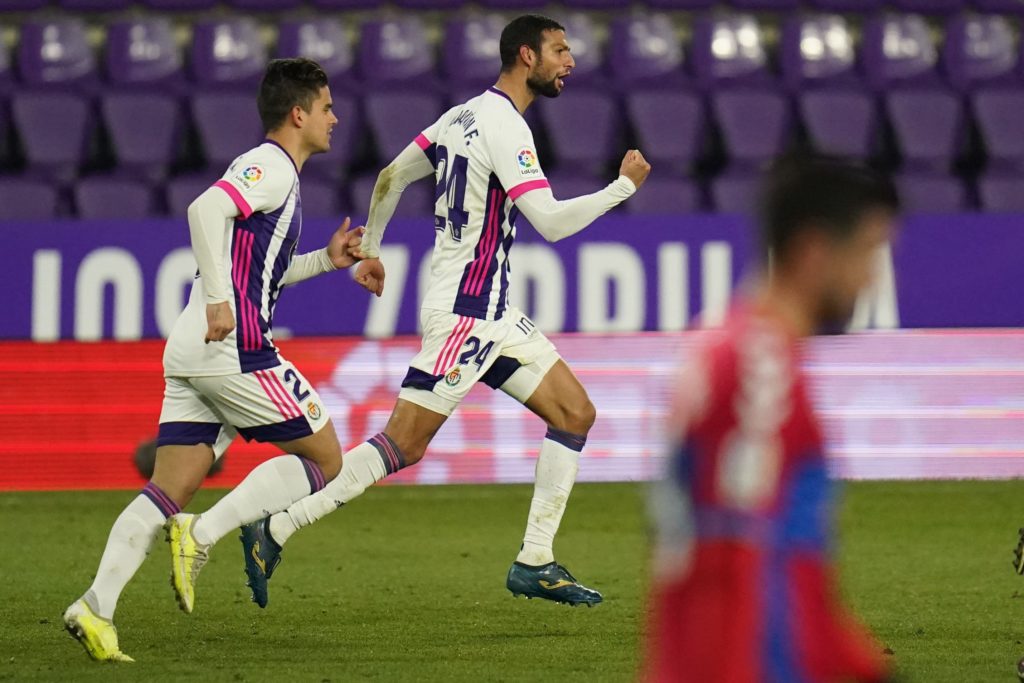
(223, 373)
(744, 587)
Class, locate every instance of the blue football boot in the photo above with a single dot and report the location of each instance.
(551, 581)
(262, 555)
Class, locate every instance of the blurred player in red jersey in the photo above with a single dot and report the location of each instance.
(744, 587)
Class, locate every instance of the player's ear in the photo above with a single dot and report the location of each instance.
(298, 116)
(527, 55)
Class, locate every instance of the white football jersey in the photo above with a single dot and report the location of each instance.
(264, 185)
(484, 158)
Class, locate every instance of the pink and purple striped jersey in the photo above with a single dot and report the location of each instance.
(484, 159)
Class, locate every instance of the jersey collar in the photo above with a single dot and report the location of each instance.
(501, 94)
(268, 141)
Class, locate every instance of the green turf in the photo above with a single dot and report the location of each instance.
(407, 584)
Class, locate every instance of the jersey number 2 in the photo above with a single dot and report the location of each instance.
(451, 184)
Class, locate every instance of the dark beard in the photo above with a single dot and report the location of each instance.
(545, 88)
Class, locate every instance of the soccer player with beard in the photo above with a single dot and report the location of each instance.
(485, 165)
(744, 586)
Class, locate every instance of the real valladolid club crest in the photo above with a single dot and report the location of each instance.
(453, 377)
(313, 410)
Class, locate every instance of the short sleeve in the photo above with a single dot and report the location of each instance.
(257, 184)
(515, 162)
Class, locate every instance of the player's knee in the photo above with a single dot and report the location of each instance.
(579, 417)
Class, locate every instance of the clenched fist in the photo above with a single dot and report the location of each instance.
(635, 167)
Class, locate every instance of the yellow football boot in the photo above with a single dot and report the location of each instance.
(96, 634)
(187, 558)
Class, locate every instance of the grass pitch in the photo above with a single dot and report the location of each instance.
(407, 584)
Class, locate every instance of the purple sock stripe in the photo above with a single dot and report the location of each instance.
(573, 442)
(162, 501)
(389, 452)
(395, 450)
(313, 474)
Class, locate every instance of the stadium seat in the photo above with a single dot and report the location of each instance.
(842, 122)
(516, 5)
(265, 5)
(102, 197)
(582, 35)
(755, 124)
(931, 193)
(682, 4)
(863, 6)
(929, 6)
(670, 127)
(735, 192)
(182, 190)
(1004, 6)
(979, 50)
(228, 52)
(1001, 193)
(583, 128)
(345, 4)
(22, 5)
(665, 195)
(817, 51)
(470, 50)
(180, 5)
(319, 199)
(95, 5)
(144, 52)
(25, 199)
(417, 199)
(998, 115)
(729, 49)
(396, 118)
(54, 128)
(333, 164)
(775, 5)
(228, 125)
(431, 4)
(396, 52)
(644, 50)
(143, 129)
(899, 49)
(596, 5)
(928, 126)
(56, 52)
(322, 39)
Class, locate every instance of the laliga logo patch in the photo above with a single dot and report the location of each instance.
(313, 410)
(527, 159)
(250, 176)
(453, 377)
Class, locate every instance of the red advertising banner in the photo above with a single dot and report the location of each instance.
(894, 404)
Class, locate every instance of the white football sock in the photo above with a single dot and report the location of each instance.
(129, 542)
(556, 473)
(361, 467)
(271, 487)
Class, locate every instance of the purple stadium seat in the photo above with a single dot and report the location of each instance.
(670, 126)
(183, 190)
(931, 193)
(56, 52)
(319, 199)
(735, 192)
(226, 52)
(143, 52)
(25, 200)
(333, 165)
(265, 5)
(395, 52)
(597, 4)
(95, 5)
(417, 199)
(431, 4)
(396, 118)
(979, 49)
(817, 50)
(755, 124)
(928, 126)
(345, 4)
(228, 125)
(54, 128)
(583, 127)
(470, 56)
(729, 48)
(682, 4)
(103, 197)
(842, 122)
(644, 50)
(517, 5)
(1001, 193)
(665, 196)
(1004, 6)
(898, 49)
(143, 129)
(180, 5)
(581, 33)
(322, 39)
(848, 5)
(998, 115)
(22, 5)
(776, 5)
(929, 6)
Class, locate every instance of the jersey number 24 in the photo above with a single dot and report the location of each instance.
(451, 184)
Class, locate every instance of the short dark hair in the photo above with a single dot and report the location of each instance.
(287, 83)
(526, 30)
(817, 192)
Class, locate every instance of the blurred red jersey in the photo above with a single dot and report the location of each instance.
(749, 496)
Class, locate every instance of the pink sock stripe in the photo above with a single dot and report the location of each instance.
(522, 188)
(162, 501)
(391, 450)
(479, 267)
(422, 141)
(270, 394)
(447, 344)
(313, 474)
(236, 197)
(289, 397)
